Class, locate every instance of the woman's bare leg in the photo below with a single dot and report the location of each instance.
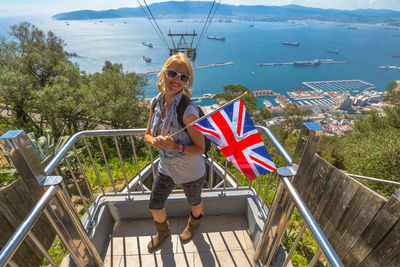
(197, 210)
(159, 215)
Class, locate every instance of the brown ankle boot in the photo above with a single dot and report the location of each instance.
(162, 233)
(191, 227)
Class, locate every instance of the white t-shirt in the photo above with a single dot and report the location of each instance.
(186, 168)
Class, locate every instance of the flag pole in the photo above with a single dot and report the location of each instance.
(209, 114)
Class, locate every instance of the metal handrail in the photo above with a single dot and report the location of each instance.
(23, 230)
(277, 144)
(58, 157)
(372, 179)
(62, 155)
(316, 231)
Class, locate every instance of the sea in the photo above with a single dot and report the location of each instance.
(247, 43)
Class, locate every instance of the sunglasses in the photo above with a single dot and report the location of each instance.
(173, 74)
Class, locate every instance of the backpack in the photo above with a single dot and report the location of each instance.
(180, 110)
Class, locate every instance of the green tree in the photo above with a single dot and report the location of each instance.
(117, 97)
(293, 118)
(266, 114)
(234, 90)
(29, 64)
(40, 88)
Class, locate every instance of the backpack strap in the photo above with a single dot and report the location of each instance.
(180, 110)
(154, 101)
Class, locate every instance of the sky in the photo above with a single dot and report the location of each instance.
(51, 7)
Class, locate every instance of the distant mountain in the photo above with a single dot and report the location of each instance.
(200, 9)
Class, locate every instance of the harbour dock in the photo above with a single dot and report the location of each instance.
(292, 63)
(195, 67)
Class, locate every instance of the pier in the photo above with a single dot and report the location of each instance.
(292, 63)
(195, 67)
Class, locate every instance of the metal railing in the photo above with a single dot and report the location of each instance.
(285, 199)
(24, 230)
(62, 216)
(77, 158)
(100, 163)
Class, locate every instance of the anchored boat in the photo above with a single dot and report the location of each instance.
(146, 59)
(147, 44)
(315, 62)
(291, 43)
(220, 38)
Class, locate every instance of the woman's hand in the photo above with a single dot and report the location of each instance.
(166, 142)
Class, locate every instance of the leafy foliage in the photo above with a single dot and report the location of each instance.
(293, 118)
(41, 88)
(234, 90)
(115, 95)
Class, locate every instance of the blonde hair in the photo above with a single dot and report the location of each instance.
(177, 58)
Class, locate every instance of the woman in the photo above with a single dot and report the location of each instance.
(181, 161)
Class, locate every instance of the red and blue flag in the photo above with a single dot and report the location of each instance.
(233, 132)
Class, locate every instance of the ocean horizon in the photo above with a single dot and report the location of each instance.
(247, 43)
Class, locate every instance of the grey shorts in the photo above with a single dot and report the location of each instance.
(162, 188)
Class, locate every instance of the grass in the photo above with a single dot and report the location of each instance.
(57, 251)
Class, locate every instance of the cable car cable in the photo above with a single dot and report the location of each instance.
(208, 22)
(157, 29)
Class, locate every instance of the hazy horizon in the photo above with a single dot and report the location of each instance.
(49, 7)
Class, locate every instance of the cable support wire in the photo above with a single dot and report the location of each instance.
(156, 27)
(208, 21)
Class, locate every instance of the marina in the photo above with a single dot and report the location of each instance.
(339, 86)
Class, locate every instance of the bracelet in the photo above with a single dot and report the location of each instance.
(181, 149)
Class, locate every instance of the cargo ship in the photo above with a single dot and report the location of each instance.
(387, 67)
(396, 56)
(147, 44)
(333, 51)
(220, 38)
(146, 59)
(314, 62)
(291, 43)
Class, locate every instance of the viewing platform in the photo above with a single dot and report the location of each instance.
(245, 223)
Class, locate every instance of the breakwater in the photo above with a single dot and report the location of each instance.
(305, 63)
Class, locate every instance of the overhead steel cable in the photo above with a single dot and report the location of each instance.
(156, 28)
(208, 21)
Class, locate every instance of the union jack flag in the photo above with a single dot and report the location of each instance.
(233, 132)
